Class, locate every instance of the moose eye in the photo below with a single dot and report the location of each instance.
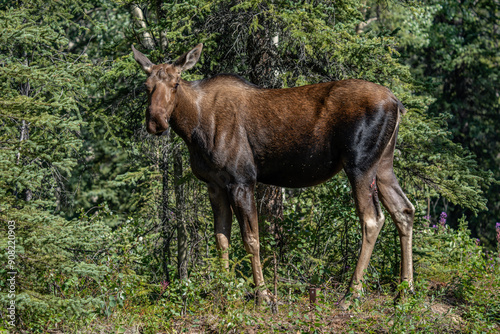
(176, 85)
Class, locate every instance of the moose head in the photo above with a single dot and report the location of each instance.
(162, 85)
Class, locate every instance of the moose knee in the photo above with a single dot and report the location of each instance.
(373, 227)
(404, 219)
(222, 241)
(410, 210)
(251, 245)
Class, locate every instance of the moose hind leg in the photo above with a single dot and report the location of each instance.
(402, 213)
(371, 219)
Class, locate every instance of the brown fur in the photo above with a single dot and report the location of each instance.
(239, 134)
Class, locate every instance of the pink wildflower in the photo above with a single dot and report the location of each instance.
(497, 226)
(442, 218)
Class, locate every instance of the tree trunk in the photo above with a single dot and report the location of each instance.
(182, 233)
(160, 16)
(264, 63)
(165, 212)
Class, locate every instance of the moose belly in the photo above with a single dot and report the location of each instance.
(297, 170)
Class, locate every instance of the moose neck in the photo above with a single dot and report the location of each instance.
(187, 111)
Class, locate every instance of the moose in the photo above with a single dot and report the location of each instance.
(238, 134)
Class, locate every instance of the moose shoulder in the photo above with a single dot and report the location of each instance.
(239, 134)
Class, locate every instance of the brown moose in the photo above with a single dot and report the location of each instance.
(239, 134)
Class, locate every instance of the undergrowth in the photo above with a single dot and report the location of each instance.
(457, 290)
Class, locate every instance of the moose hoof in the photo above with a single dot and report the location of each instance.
(344, 304)
(348, 301)
(403, 295)
(264, 296)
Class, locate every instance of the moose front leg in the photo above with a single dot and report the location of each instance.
(243, 202)
(222, 220)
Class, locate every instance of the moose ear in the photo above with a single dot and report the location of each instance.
(189, 59)
(145, 63)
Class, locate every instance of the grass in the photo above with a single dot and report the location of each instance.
(433, 309)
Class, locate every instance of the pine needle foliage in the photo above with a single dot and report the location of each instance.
(61, 272)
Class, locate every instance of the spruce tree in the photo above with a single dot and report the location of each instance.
(59, 272)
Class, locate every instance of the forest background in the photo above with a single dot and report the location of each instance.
(112, 232)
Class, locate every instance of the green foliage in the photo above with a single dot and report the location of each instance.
(70, 270)
(464, 69)
(473, 274)
(40, 112)
(430, 158)
(64, 268)
(39, 136)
